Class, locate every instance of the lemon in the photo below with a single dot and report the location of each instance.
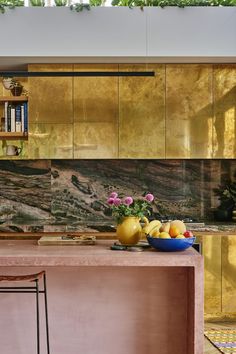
(164, 235)
(180, 236)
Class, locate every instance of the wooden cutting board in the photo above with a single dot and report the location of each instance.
(67, 240)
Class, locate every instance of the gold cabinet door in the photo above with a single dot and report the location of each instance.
(224, 129)
(142, 113)
(211, 249)
(95, 113)
(50, 113)
(229, 274)
(188, 111)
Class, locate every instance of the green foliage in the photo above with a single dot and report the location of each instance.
(11, 4)
(139, 208)
(37, 2)
(97, 2)
(128, 206)
(78, 7)
(60, 2)
(179, 3)
(226, 194)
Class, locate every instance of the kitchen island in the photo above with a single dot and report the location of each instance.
(105, 302)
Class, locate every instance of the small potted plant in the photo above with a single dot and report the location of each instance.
(227, 197)
(16, 88)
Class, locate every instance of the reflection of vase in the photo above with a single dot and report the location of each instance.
(129, 231)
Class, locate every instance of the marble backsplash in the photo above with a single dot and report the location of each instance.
(68, 195)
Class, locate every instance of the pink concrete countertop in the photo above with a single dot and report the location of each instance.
(29, 253)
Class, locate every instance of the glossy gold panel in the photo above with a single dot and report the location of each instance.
(142, 113)
(229, 274)
(224, 132)
(189, 111)
(95, 140)
(50, 99)
(211, 247)
(48, 141)
(95, 98)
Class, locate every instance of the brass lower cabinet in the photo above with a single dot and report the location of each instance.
(229, 274)
(219, 275)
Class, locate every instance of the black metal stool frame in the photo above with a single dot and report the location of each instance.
(35, 290)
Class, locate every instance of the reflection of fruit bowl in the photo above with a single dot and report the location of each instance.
(170, 244)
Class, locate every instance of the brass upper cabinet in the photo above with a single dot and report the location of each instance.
(142, 113)
(189, 115)
(96, 113)
(224, 130)
(50, 113)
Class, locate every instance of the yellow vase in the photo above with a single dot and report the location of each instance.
(129, 231)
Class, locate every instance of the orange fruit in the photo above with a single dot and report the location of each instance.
(174, 231)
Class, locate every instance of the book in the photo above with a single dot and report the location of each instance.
(8, 117)
(25, 117)
(13, 119)
(22, 118)
(5, 115)
(18, 118)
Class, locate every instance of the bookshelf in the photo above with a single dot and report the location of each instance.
(13, 100)
(13, 136)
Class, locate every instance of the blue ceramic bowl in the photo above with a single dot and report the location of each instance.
(170, 244)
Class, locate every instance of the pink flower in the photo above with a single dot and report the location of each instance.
(128, 200)
(117, 201)
(113, 195)
(149, 197)
(110, 201)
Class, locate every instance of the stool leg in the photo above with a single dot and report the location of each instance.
(37, 315)
(46, 312)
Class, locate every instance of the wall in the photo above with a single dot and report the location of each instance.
(192, 34)
(51, 195)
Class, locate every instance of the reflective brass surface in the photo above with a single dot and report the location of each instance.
(224, 132)
(142, 113)
(50, 114)
(220, 276)
(95, 140)
(211, 247)
(95, 113)
(95, 98)
(50, 98)
(229, 274)
(185, 111)
(188, 111)
(50, 141)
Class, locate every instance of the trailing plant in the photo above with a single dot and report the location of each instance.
(179, 3)
(78, 7)
(60, 2)
(37, 2)
(97, 2)
(11, 4)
